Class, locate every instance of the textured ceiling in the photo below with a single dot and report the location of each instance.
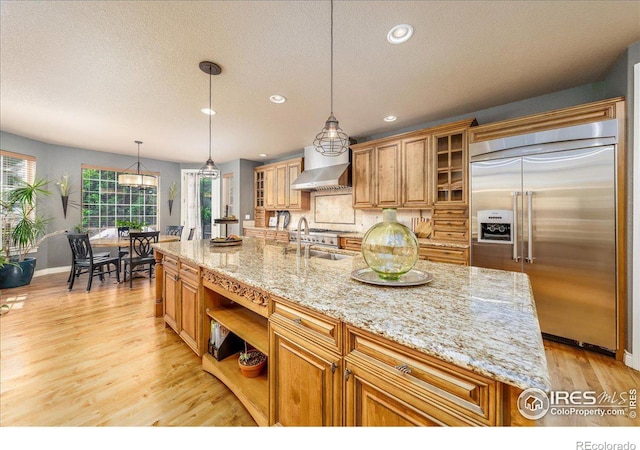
(100, 75)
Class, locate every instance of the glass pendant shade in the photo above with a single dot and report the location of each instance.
(209, 170)
(389, 248)
(331, 141)
(137, 180)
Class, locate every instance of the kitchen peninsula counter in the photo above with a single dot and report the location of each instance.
(482, 320)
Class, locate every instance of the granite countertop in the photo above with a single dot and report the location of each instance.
(479, 319)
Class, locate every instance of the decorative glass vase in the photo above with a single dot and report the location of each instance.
(390, 248)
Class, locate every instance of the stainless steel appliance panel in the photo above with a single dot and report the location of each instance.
(568, 203)
(497, 185)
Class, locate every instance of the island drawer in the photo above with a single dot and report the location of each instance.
(460, 392)
(170, 262)
(316, 327)
(190, 272)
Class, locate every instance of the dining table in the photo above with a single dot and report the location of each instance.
(114, 241)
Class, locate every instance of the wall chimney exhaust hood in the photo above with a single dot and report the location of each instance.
(324, 172)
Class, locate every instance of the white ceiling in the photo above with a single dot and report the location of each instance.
(99, 75)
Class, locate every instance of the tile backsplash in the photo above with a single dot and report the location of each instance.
(334, 211)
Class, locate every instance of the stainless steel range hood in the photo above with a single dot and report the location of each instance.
(323, 172)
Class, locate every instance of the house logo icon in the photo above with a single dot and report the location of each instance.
(533, 403)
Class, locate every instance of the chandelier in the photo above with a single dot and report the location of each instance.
(138, 179)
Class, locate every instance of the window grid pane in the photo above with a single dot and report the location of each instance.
(104, 201)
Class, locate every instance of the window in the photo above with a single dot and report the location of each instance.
(15, 168)
(104, 201)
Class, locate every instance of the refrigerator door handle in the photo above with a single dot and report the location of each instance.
(529, 257)
(516, 257)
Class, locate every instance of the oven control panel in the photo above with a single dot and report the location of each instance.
(495, 226)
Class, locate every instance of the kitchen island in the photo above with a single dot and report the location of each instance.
(471, 335)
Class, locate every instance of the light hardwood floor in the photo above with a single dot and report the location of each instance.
(102, 358)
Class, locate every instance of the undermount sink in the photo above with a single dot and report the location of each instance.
(327, 255)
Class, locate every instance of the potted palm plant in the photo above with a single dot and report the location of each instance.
(23, 229)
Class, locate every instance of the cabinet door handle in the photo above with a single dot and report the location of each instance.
(176, 277)
(347, 373)
(297, 320)
(403, 368)
(334, 366)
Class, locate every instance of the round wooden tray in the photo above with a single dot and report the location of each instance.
(226, 243)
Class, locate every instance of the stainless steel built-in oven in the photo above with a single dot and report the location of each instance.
(496, 226)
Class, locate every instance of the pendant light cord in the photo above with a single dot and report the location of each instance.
(210, 113)
(332, 57)
(138, 142)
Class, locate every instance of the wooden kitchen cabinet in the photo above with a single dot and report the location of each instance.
(190, 319)
(451, 167)
(270, 184)
(450, 255)
(376, 175)
(282, 186)
(170, 292)
(412, 170)
(276, 191)
(362, 162)
(387, 175)
(351, 243)
(296, 199)
(417, 161)
(450, 222)
(305, 375)
(305, 381)
(387, 384)
(181, 287)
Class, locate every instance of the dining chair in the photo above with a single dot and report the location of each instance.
(123, 232)
(140, 254)
(84, 261)
(191, 233)
(174, 230)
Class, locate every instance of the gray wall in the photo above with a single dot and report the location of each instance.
(53, 161)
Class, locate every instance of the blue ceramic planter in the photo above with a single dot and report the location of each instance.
(15, 276)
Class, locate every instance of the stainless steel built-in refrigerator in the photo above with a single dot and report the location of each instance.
(545, 204)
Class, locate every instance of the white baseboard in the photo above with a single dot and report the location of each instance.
(51, 270)
(628, 360)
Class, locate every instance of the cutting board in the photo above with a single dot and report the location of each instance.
(422, 227)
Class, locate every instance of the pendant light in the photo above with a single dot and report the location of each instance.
(331, 141)
(137, 180)
(210, 170)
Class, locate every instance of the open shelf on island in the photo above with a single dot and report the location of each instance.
(246, 324)
(253, 393)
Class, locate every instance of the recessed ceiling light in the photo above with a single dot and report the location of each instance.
(263, 155)
(208, 112)
(400, 33)
(277, 99)
(390, 119)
